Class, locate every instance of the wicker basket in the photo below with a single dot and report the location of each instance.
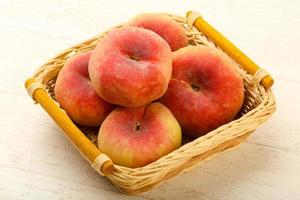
(258, 106)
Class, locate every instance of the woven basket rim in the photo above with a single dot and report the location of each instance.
(135, 180)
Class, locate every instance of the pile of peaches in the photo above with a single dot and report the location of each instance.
(144, 86)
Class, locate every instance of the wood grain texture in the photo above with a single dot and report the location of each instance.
(38, 162)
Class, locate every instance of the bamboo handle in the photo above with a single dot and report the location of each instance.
(84, 145)
(229, 48)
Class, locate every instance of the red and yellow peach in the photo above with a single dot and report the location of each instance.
(206, 90)
(75, 94)
(131, 67)
(164, 26)
(134, 137)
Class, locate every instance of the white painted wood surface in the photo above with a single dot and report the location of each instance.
(38, 162)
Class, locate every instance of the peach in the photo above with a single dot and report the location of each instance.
(131, 67)
(134, 137)
(75, 94)
(164, 26)
(206, 89)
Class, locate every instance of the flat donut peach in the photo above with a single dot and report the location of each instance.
(205, 91)
(164, 26)
(75, 94)
(131, 66)
(134, 137)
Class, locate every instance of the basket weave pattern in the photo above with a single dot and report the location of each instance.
(258, 106)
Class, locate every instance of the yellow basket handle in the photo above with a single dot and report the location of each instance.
(260, 75)
(100, 162)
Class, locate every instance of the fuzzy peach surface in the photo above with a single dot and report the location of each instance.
(131, 67)
(206, 90)
(75, 94)
(134, 137)
(164, 26)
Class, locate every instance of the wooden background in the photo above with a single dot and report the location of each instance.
(38, 162)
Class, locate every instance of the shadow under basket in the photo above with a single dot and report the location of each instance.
(258, 106)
